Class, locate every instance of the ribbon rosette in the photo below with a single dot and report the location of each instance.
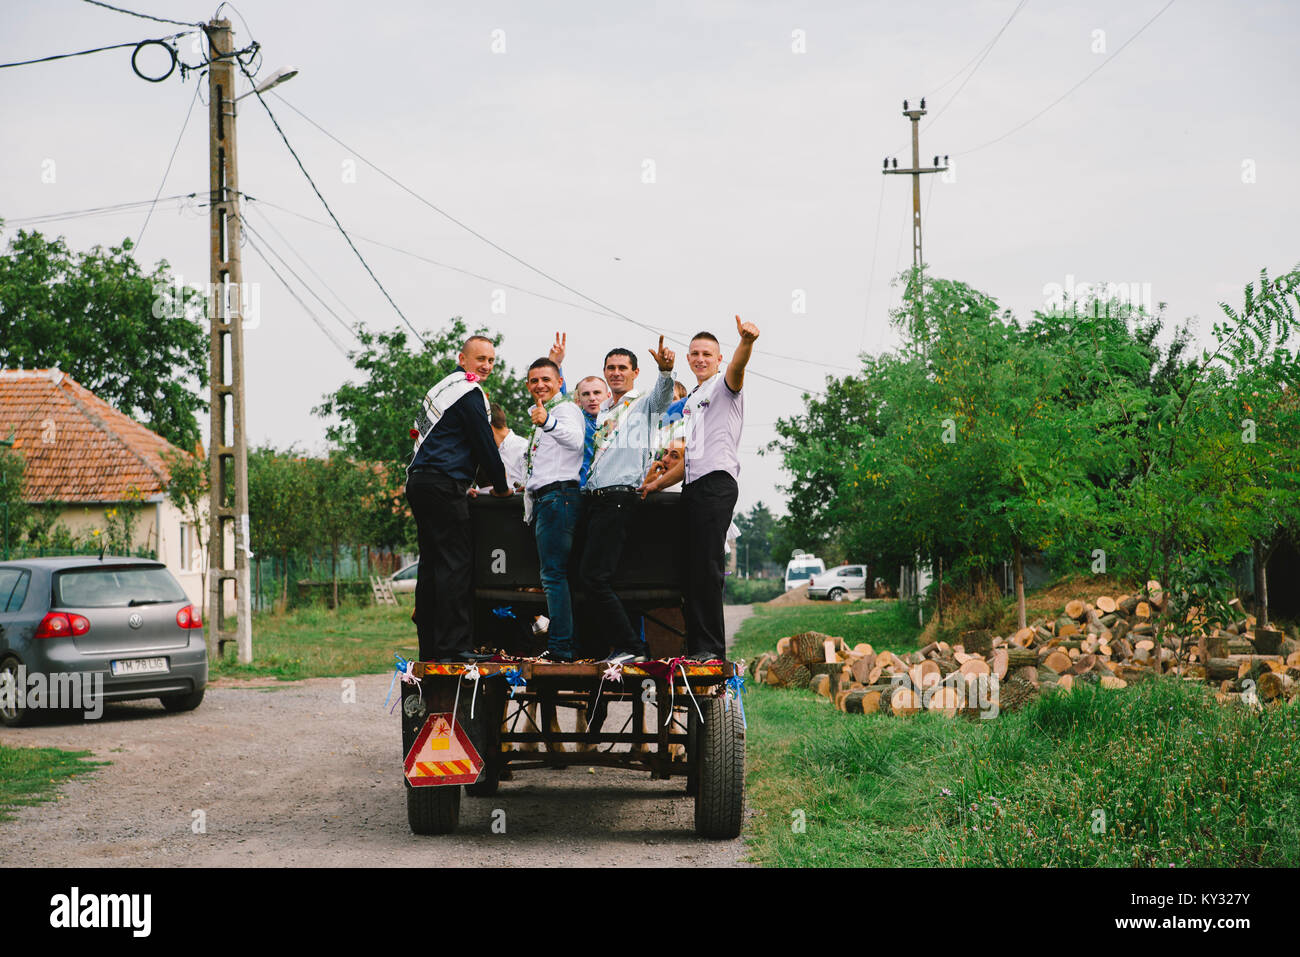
(515, 679)
(613, 673)
(406, 671)
(470, 377)
(736, 689)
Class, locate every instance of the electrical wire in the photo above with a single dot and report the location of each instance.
(170, 160)
(276, 123)
(266, 221)
(262, 239)
(142, 16)
(94, 211)
(501, 249)
(1104, 63)
(871, 275)
(997, 36)
(305, 308)
(115, 46)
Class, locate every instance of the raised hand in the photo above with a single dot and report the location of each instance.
(556, 354)
(663, 356)
(747, 331)
(538, 413)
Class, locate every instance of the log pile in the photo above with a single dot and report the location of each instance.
(1113, 641)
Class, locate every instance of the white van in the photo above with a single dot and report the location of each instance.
(802, 568)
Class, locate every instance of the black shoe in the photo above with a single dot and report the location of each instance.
(703, 658)
(467, 658)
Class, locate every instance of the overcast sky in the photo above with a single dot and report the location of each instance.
(679, 163)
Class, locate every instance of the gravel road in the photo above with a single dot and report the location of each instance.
(275, 773)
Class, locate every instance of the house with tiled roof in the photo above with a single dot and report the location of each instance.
(90, 459)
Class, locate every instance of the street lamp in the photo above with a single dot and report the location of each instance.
(275, 79)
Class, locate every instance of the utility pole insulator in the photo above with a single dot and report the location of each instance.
(228, 544)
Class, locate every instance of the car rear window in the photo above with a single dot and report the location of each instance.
(116, 586)
(800, 572)
(13, 588)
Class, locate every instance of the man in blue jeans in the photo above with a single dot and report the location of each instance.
(551, 496)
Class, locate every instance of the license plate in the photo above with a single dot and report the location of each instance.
(139, 666)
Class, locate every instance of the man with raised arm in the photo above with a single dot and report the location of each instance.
(625, 430)
(453, 436)
(714, 414)
(552, 500)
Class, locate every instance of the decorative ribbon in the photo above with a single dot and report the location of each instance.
(514, 678)
(687, 682)
(736, 689)
(471, 674)
(405, 670)
(503, 611)
(613, 673)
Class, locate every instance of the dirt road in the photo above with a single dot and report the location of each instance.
(293, 774)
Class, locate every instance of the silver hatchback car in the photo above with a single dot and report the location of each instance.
(78, 631)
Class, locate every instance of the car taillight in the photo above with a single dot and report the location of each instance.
(188, 617)
(59, 625)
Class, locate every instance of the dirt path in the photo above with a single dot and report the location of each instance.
(293, 775)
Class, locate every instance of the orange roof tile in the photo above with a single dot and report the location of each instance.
(77, 447)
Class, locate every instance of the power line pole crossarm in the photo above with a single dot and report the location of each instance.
(916, 171)
(228, 455)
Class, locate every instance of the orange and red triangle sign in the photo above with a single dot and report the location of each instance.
(442, 754)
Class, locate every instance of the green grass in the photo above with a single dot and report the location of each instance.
(887, 626)
(1181, 781)
(32, 775)
(318, 643)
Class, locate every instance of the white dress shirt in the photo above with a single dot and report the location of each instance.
(558, 457)
(514, 450)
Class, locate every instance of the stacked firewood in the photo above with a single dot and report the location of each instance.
(1111, 641)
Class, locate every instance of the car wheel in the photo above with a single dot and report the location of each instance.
(182, 702)
(11, 715)
(836, 594)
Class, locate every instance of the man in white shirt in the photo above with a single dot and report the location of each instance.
(513, 448)
(554, 459)
(624, 433)
(714, 414)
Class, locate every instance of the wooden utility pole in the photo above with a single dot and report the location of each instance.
(228, 455)
(915, 172)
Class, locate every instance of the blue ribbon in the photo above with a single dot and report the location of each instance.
(736, 689)
(398, 671)
(515, 678)
(503, 611)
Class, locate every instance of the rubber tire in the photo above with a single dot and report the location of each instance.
(21, 716)
(720, 801)
(836, 594)
(433, 810)
(176, 703)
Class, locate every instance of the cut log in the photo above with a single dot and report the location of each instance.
(1110, 681)
(1019, 657)
(1127, 604)
(900, 701)
(1001, 662)
(1220, 669)
(783, 646)
(1024, 638)
(1074, 609)
(976, 666)
(1155, 594)
(1066, 682)
(924, 675)
(821, 684)
(946, 701)
(1268, 641)
(790, 671)
(862, 667)
(1058, 661)
(1105, 604)
(1142, 611)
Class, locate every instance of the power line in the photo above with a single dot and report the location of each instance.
(95, 210)
(871, 275)
(115, 46)
(1104, 63)
(142, 16)
(305, 308)
(262, 239)
(303, 259)
(934, 119)
(501, 249)
(496, 282)
(316, 190)
(171, 159)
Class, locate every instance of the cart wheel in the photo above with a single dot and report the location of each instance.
(720, 797)
(433, 810)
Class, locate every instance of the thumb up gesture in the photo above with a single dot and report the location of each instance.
(747, 331)
(539, 414)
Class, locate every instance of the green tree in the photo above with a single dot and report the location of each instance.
(280, 506)
(14, 511)
(756, 529)
(188, 489)
(132, 338)
(341, 497)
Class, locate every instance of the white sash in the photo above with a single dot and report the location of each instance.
(439, 399)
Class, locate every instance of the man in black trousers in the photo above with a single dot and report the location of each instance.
(453, 437)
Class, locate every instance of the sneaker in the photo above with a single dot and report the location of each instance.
(552, 656)
(626, 658)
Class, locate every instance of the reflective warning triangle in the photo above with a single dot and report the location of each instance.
(442, 754)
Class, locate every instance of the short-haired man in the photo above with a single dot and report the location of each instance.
(625, 430)
(552, 496)
(592, 393)
(714, 413)
(452, 436)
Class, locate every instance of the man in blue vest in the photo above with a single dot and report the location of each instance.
(453, 437)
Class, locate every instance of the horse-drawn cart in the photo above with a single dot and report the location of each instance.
(472, 726)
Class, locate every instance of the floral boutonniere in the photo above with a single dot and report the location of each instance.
(470, 377)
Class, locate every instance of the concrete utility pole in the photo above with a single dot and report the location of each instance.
(228, 445)
(915, 172)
